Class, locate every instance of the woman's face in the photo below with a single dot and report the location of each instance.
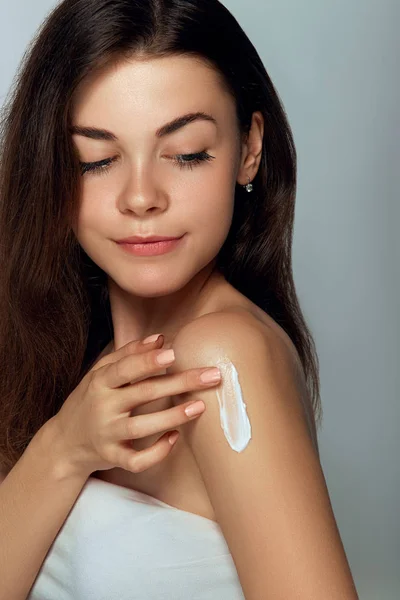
(143, 189)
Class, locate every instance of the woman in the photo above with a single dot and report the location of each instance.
(141, 119)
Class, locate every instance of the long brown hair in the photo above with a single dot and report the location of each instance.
(54, 308)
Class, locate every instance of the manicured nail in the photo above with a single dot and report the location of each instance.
(211, 375)
(195, 409)
(165, 357)
(151, 338)
(173, 437)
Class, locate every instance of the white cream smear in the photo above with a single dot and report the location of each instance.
(232, 409)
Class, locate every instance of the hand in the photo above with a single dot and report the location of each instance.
(94, 426)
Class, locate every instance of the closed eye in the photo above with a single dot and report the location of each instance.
(182, 160)
(189, 160)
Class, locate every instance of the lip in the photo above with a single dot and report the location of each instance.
(137, 239)
(151, 248)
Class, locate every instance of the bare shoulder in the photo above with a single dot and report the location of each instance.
(239, 333)
(246, 321)
(278, 498)
(248, 334)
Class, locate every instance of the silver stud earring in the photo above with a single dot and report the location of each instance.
(249, 186)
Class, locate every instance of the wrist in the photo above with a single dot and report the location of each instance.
(49, 443)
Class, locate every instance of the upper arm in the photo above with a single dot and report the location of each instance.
(270, 499)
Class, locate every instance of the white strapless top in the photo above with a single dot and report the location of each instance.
(122, 544)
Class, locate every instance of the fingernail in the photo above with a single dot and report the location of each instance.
(211, 375)
(173, 437)
(151, 338)
(165, 357)
(195, 409)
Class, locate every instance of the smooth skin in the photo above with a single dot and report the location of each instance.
(270, 500)
(143, 189)
(94, 423)
(92, 430)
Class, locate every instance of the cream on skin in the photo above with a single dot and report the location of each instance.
(146, 183)
(232, 408)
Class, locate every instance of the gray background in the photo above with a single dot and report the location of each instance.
(334, 65)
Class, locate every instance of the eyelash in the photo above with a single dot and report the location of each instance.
(103, 166)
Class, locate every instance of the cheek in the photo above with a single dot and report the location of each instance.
(94, 214)
(90, 233)
(212, 201)
(90, 228)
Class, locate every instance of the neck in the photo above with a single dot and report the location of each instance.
(155, 308)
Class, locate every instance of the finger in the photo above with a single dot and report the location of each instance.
(138, 461)
(162, 386)
(132, 347)
(131, 368)
(140, 426)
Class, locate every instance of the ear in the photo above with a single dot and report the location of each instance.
(252, 148)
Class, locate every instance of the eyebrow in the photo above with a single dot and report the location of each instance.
(94, 133)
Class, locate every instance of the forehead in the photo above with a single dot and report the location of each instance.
(150, 90)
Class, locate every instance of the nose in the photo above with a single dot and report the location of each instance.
(142, 195)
